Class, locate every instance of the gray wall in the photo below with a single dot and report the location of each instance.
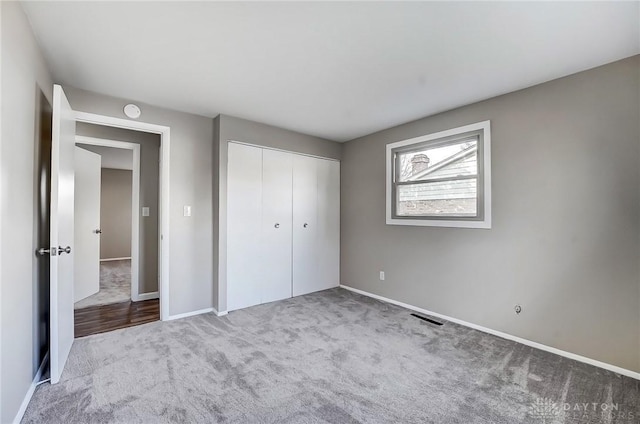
(191, 177)
(228, 128)
(24, 75)
(149, 194)
(115, 214)
(566, 219)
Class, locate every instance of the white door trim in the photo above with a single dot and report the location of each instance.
(165, 135)
(135, 204)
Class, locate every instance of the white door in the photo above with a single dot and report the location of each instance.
(87, 224)
(244, 226)
(276, 225)
(305, 228)
(328, 224)
(62, 208)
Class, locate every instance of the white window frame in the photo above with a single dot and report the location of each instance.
(485, 204)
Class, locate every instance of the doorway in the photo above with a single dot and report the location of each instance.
(117, 198)
(63, 134)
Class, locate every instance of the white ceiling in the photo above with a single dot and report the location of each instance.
(111, 157)
(335, 70)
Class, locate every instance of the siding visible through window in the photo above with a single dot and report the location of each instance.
(440, 178)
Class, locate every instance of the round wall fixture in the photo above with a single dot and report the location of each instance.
(132, 111)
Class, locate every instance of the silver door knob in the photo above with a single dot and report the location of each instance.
(277, 225)
(305, 225)
(98, 231)
(64, 249)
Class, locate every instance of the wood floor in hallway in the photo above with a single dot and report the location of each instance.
(100, 319)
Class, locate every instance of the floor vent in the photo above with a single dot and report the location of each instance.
(427, 319)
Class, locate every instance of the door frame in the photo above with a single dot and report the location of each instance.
(163, 204)
(135, 209)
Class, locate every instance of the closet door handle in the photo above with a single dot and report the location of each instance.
(277, 225)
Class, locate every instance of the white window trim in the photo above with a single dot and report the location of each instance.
(485, 223)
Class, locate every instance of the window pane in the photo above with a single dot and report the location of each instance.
(446, 161)
(443, 198)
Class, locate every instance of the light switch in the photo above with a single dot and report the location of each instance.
(145, 211)
(187, 210)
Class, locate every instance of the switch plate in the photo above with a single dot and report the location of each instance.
(381, 275)
(187, 210)
(145, 211)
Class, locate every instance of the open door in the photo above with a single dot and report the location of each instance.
(62, 208)
(87, 224)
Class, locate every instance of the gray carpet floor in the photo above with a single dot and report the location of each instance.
(328, 357)
(115, 285)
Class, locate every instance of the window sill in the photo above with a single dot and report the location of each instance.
(486, 224)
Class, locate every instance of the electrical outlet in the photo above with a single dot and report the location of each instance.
(145, 211)
(381, 275)
(187, 210)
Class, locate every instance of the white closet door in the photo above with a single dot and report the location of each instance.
(244, 226)
(277, 168)
(305, 228)
(328, 224)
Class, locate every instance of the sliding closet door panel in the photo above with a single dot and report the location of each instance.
(277, 168)
(305, 228)
(328, 224)
(244, 226)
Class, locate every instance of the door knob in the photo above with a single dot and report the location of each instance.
(98, 231)
(64, 249)
(277, 225)
(305, 225)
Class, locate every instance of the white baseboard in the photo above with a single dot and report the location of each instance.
(189, 314)
(32, 389)
(115, 259)
(595, 363)
(220, 314)
(147, 296)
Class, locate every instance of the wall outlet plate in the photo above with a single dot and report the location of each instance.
(381, 275)
(145, 211)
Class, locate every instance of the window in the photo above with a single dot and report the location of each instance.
(441, 179)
